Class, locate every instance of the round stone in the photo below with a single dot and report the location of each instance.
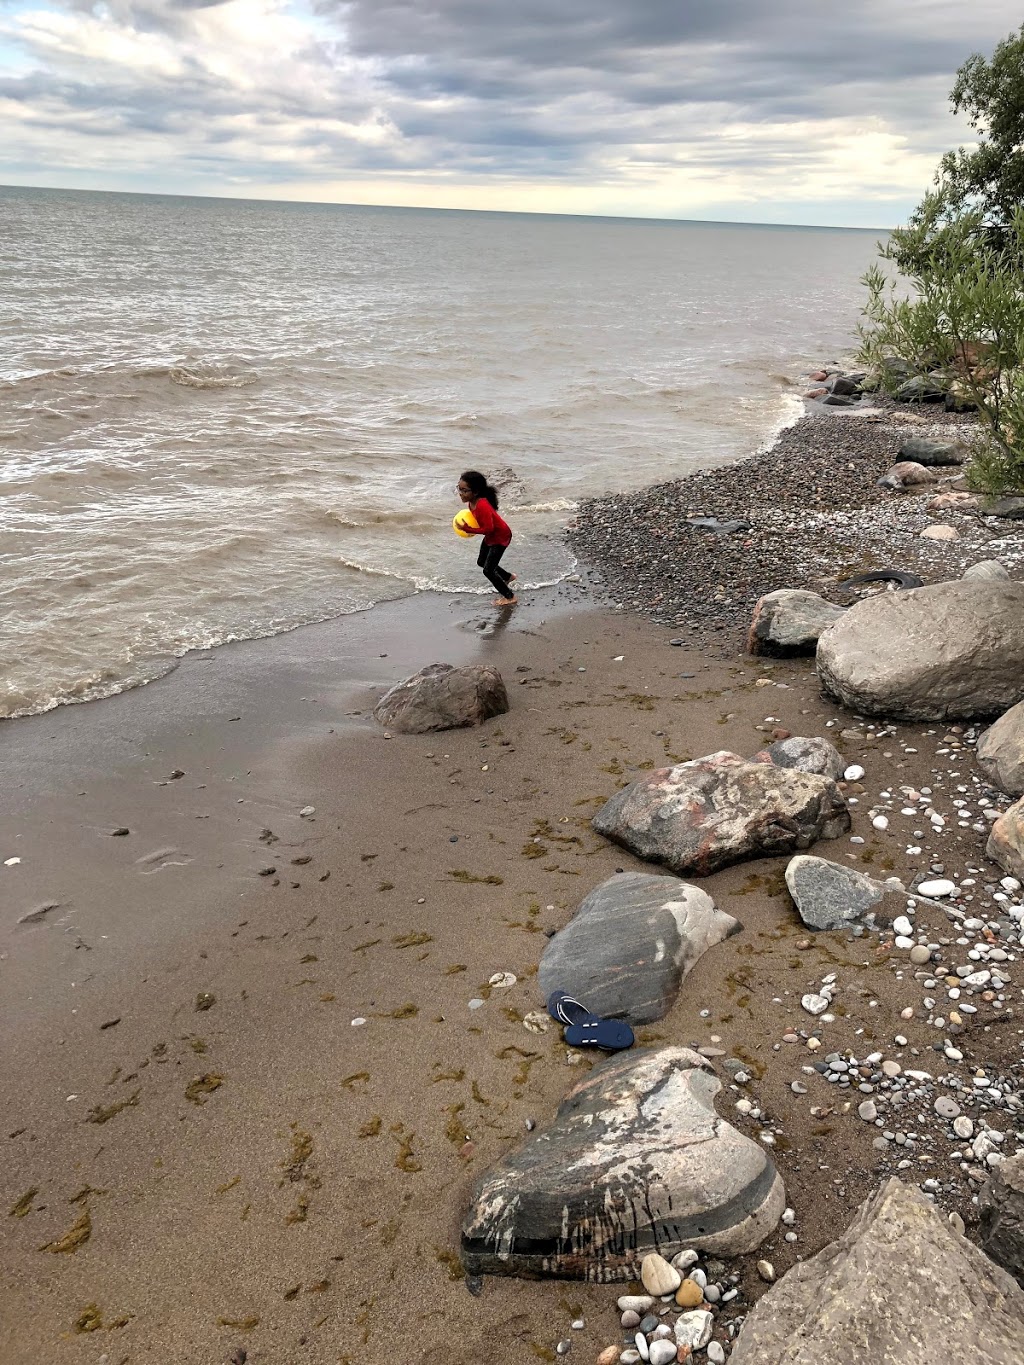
(947, 1108)
(919, 955)
(853, 773)
(868, 1111)
(689, 1294)
(963, 1127)
(662, 1352)
(902, 925)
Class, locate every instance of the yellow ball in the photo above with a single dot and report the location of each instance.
(464, 523)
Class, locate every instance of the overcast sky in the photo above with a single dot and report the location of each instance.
(753, 110)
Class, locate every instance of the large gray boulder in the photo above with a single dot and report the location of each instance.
(900, 1287)
(440, 697)
(1000, 751)
(927, 452)
(789, 621)
(933, 653)
(710, 812)
(636, 1160)
(631, 942)
(832, 896)
(1006, 842)
(1001, 1204)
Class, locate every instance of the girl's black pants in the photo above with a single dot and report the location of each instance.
(489, 560)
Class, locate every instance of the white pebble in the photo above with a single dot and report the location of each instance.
(881, 822)
(853, 773)
(940, 887)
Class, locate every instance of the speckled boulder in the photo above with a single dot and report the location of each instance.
(636, 1160)
(710, 812)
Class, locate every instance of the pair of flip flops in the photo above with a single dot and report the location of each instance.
(584, 1029)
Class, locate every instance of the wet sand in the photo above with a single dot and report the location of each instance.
(202, 1155)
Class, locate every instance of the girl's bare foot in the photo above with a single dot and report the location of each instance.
(506, 601)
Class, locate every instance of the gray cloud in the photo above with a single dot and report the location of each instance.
(598, 92)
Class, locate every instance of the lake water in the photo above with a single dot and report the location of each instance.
(221, 419)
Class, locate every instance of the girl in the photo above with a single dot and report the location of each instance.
(482, 500)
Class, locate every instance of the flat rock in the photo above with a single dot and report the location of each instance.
(1006, 842)
(807, 753)
(1010, 508)
(788, 622)
(934, 653)
(440, 697)
(713, 811)
(990, 569)
(940, 531)
(630, 943)
(831, 896)
(923, 388)
(928, 452)
(1001, 1204)
(952, 501)
(900, 1287)
(1000, 751)
(635, 1161)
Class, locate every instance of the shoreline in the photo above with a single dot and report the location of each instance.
(254, 1174)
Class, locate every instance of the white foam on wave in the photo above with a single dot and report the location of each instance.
(194, 379)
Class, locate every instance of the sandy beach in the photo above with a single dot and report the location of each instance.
(205, 1158)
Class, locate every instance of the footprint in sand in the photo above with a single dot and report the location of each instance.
(161, 858)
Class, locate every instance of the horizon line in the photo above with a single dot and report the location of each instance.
(432, 208)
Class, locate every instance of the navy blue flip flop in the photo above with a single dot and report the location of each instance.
(568, 1010)
(610, 1035)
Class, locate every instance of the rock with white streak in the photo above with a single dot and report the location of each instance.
(1006, 841)
(900, 1287)
(694, 1329)
(703, 815)
(935, 653)
(636, 1161)
(1000, 751)
(630, 944)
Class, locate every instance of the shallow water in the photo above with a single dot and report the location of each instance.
(222, 419)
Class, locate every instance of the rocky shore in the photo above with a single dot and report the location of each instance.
(811, 515)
